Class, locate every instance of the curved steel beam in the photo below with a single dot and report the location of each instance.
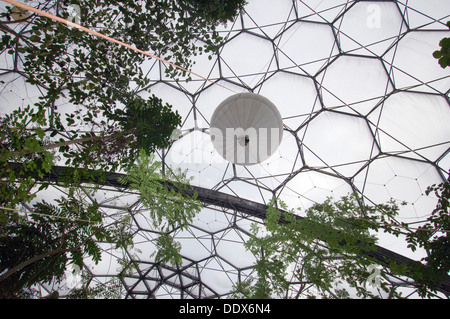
(216, 198)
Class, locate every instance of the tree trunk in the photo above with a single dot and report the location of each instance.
(71, 142)
(34, 259)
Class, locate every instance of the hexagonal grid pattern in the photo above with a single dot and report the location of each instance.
(365, 108)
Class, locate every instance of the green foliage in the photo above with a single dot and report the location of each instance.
(168, 199)
(148, 124)
(443, 55)
(168, 250)
(151, 121)
(328, 247)
(96, 72)
(21, 142)
(216, 11)
(433, 236)
(143, 124)
(42, 234)
(36, 247)
(100, 79)
(111, 289)
(325, 249)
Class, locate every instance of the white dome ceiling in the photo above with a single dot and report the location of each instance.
(365, 108)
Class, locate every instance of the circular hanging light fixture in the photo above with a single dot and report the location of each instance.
(246, 129)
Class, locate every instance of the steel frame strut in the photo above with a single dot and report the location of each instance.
(216, 198)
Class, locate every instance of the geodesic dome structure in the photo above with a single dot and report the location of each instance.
(365, 109)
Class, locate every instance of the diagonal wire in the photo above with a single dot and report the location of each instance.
(75, 25)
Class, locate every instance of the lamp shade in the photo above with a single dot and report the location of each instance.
(246, 129)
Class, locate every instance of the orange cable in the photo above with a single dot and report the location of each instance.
(75, 25)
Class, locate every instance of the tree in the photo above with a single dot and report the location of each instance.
(21, 142)
(433, 236)
(143, 124)
(100, 79)
(327, 249)
(61, 58)
(36, 246)
(216, 11)
(169, 205)
(327, 242)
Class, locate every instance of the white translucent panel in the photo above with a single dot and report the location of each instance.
(152, 69)
(320, 10)
(310, 187)
(400, 179)
(370, 28)
(430, 14)
(144, 247)
(6, 62)
(15, 92)
(118, 200)
(338, 140)
(360, 83)
(205, 65)
(195, 244)
(279, 14)
(313, 55)
(247, 190)
(424, 206)
(277, 167)
(247, 56)
(404, 188)
(143, 221)
(414, 122)
(399, 245)
(213, 271)
(374, 193)
(167, 292)
(230, 246)
(108, 264)
(211, 220)
(210, 99)
(407, 73)
(293, 95)
(195, 153)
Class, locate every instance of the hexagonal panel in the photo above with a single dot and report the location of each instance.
(230, 246)
(422, 15)
(248, 55)
(370, 28)
(414, 125)
(254, 17)
(407, 74)
(309, 187)
(323, 63)
(354, 84)
(294, 96)
(313, 55)
(339, 141)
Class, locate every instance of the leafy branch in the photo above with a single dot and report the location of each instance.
(329, 247)
(166, 198)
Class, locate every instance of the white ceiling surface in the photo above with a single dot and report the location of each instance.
(373, 119)
(367, 113)
(344, 114)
